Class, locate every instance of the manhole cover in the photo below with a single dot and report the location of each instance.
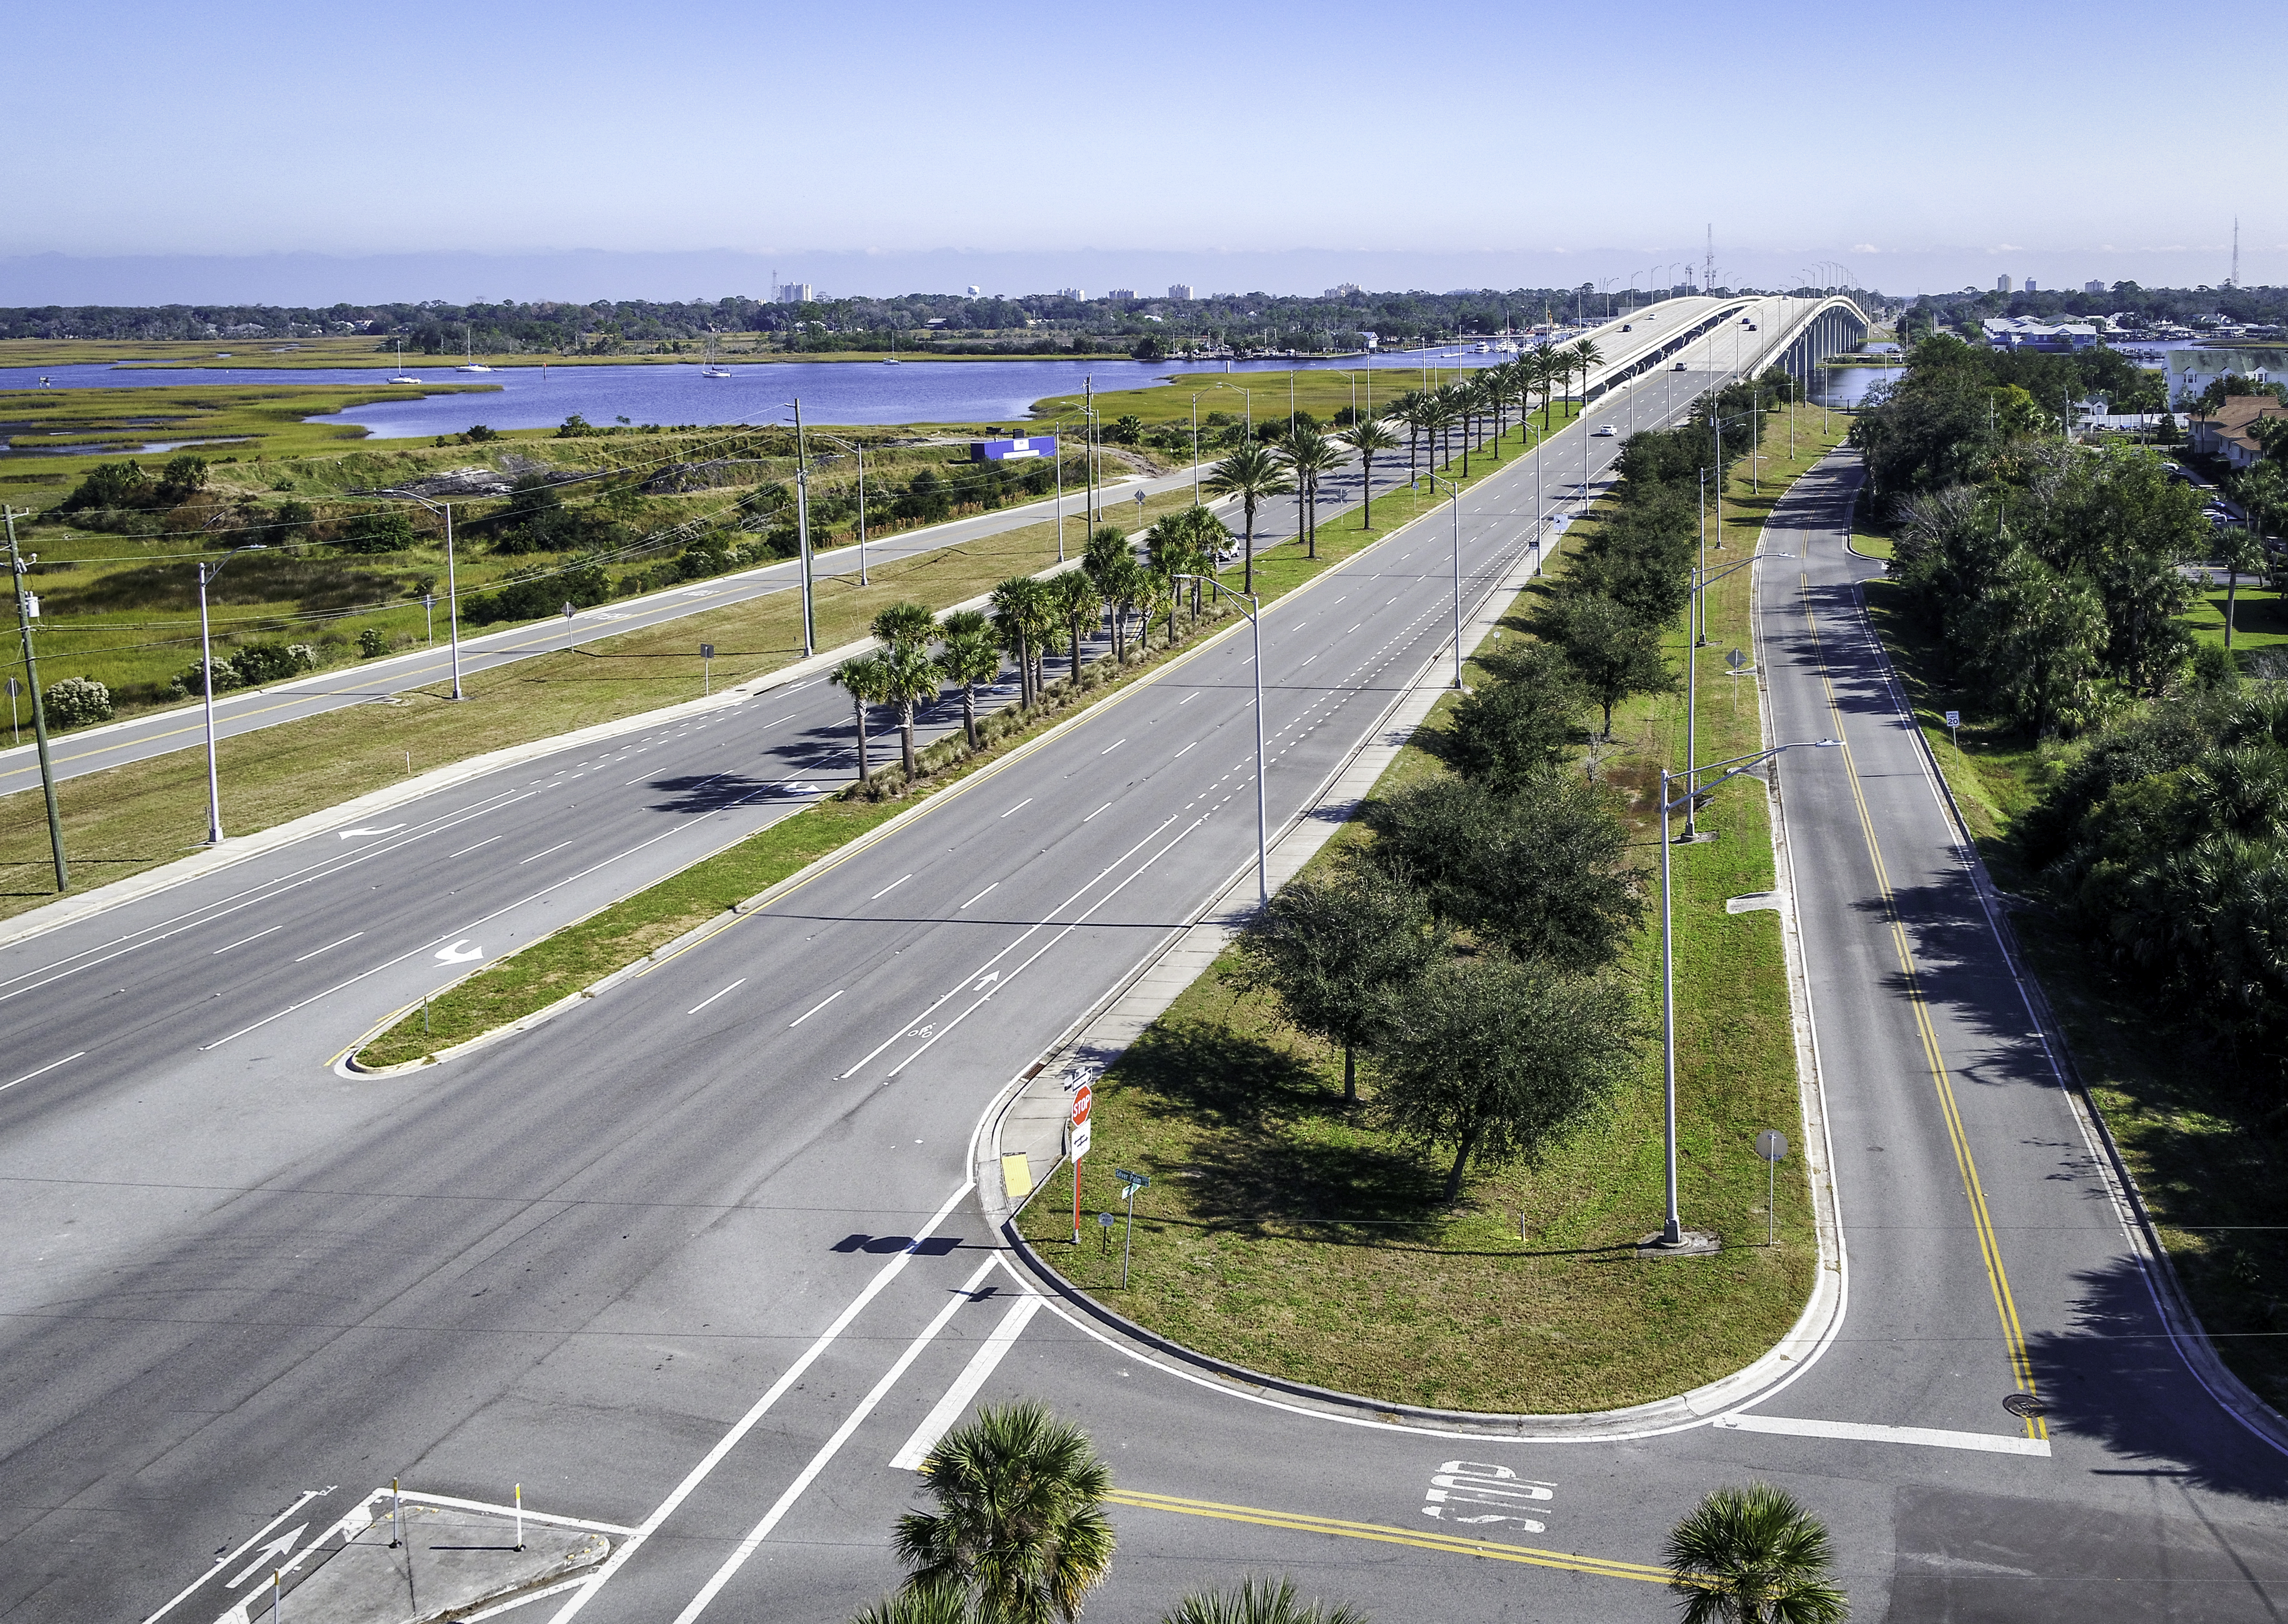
(2025, 1406)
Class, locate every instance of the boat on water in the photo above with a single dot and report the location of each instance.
(468, 341)
(402, 376)
(714, 369)
(892, 359)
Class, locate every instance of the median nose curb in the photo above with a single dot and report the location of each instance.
(1022, 1137)
(454, 1561)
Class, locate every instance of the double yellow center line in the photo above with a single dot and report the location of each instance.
(1452, 1545)
(2013, 1338)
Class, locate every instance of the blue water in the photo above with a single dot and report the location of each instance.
(531, 396)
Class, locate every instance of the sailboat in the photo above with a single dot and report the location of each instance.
(892, 359)
(468, 341)
(402, 376)
(714, 369)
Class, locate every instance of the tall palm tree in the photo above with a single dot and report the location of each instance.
(1403, 410)
(905, 625)
(863, 681)
(1251, 474)
(1077, 603)
(1437, 409)
(922, 1604)
(1752, 1555)
(1185, 543)
(1586, 359)
(1542, 367)
(1020, 1523)
(1366, 437)
(1018, 610)
(1259, 1601)
(1312, 456)
(970, 656)
(908, 677)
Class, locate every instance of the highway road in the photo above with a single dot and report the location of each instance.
(701, 1257)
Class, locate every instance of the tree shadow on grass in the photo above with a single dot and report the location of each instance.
(1281, 1154)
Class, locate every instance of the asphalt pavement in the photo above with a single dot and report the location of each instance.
(701, 1259)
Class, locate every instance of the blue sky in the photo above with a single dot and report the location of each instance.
(262, 150)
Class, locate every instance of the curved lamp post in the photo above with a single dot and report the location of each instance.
(452, 584)
(207, 572)
(1672, 1234)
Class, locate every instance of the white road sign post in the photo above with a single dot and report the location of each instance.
(1771, 1145)
(1076, 1146)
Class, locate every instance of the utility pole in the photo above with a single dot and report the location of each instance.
(17, 568)
(802, 530)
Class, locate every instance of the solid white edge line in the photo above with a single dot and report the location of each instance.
(411, 1497)
(712, 997)
(958, 1398)
(761, 1408)
(545, 1591)
(827, 1451)
(1868, 1432)
(815, 1008)
(50, 1067)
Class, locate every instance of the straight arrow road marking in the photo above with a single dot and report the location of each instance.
(347, 834)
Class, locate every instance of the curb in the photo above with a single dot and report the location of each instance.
(1812, 1331)
(2186, 1335)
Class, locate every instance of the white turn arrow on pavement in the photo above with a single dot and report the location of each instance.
(460, 953)
(392, 830)
(989, 979)
(266, 1558)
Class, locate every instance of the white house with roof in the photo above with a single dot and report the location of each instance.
(2191, 371)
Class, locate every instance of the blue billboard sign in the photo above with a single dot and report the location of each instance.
(1011, 450)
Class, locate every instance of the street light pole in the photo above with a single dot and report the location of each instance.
(859, 451)
(206, 687)
(17, 570)
(1672, 1232)
(1254, 613)
(1454, 501)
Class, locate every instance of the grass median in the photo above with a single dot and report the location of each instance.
(1284, 1233)
(585, 952)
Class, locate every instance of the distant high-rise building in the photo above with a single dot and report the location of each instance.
(793, 293)
(2002, 283)
(2092, 287)
(1075, 294)
(1118, 294)
(2029, 284)
(1342, 291)
(1180, 291)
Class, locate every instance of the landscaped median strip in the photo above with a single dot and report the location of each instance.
(555, 972)
(1454, 1545)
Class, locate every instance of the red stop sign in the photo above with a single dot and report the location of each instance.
(1082, 1098)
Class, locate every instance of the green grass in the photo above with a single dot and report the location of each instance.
(619, 935)
(1282, 1233)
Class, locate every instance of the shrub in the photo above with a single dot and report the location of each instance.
(193, 679)
(371, 644)
(77, 702)
(584, 588)
(383, 532)
(260, 662)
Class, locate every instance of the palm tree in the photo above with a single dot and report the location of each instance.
(1437, 409)
(1185, 543)
(1251, 474)
(905, 624)
(1752, 1555)
(1020, 1523)
(863, 681)
(1366, 437)
(1018, 612)
(1541, 367)
(1586, 358)
(1403, 409)
(1311, 454)
(1258, 1601)
(970, 656)
(1075, 599)
(908, 677)
(922, 1604)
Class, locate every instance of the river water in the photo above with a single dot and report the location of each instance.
(533, 397)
